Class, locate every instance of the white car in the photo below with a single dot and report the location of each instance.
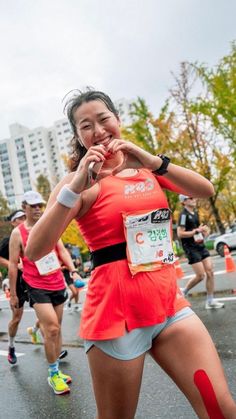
(228, 239)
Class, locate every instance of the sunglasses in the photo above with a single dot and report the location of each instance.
(36, 205)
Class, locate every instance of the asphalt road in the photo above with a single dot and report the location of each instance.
(24, 391)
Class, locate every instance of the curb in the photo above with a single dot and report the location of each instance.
(204, 293)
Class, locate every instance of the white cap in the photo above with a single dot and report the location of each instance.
(16, 214)
(182, 198)
(32, 198)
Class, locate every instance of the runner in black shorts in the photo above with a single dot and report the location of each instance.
(15, 218)
(41, 296)
(45, 285)
(192, 235)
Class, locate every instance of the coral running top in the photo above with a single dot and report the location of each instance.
(116, 300)
(51, 282)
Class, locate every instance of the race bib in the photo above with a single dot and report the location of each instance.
(149, 242)
(198, 238)
(48, 264)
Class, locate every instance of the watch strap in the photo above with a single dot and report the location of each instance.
(163, 168)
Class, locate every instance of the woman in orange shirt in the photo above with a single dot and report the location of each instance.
(133, 305)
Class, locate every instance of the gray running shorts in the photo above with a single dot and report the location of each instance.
(136, 342)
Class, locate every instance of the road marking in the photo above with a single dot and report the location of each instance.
(5, 353)
(226, 299)
(215, 273)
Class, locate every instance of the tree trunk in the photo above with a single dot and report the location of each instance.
(216, 215)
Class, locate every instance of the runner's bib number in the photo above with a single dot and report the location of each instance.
(149, 241)
(198, 238)
(48, 264)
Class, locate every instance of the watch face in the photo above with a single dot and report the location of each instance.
(163, 168)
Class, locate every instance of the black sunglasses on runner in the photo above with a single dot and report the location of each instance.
(36, 205)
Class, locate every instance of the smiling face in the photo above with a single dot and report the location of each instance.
(96, 124)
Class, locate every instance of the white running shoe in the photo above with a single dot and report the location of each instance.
(78, 307)
(69, 306)
(184, 293)
(214, 305)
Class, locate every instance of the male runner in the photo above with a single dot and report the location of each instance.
(192, 236)
(45, 285)
(16, 218)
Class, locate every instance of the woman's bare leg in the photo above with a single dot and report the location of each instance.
(186, 352)
(116, 384)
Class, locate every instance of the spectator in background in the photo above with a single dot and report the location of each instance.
(70, 281)
(15, 218)
(192, 235)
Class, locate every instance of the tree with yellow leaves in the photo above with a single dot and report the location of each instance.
(73, 236)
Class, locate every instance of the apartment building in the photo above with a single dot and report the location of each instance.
(29, 153)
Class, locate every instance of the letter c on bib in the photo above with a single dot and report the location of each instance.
(138, 238)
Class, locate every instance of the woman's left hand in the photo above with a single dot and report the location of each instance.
(134, 157)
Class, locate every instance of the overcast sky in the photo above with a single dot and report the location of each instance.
(127, 48)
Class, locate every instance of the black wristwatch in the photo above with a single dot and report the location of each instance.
(163, 168)
(75, 271)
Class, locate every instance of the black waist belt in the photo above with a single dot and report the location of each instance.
(108, 254)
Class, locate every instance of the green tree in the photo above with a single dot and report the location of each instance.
(141, 130)
(43, 186)
(155, 134)
(5, 227)
(73, 236)
(196, 128)
(219, 100)
(198, 144)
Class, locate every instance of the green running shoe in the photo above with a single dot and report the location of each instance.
(65, 377)
(58, 384)
(35, 339)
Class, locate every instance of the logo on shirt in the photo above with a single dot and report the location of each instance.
(140, 187)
